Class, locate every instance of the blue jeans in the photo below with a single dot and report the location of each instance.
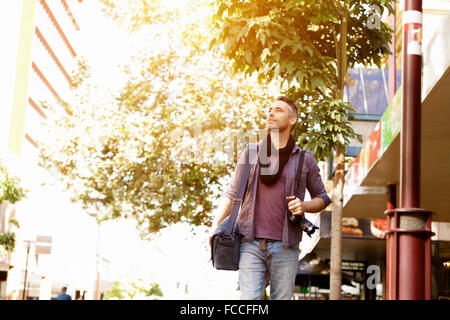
(278, 263)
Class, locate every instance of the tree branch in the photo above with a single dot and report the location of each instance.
(335, 32)
(338, 9)
(336, 46)
(304, 34)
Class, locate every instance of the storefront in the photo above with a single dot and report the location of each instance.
(373, 179)
(363, 255)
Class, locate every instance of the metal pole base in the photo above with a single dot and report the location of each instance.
(409, 232)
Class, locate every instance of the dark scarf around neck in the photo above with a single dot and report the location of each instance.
(284, 153)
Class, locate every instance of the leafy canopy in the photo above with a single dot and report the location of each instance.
(299, 40)
(10, 193)
(159, 150)
(301, 43)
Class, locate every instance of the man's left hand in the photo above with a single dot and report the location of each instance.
(296, 206)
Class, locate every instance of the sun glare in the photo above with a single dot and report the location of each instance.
(175, 4)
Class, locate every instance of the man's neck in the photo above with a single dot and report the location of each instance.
(280, 138)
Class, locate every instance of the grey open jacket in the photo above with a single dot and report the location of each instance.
(310, 179)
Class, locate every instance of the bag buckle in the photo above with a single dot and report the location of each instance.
(237, 201)
(227, 237)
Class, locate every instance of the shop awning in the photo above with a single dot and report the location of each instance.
(5, 265)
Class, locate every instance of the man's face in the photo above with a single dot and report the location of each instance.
(279, 116)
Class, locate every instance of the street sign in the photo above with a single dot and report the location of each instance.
(353, 266)
(43, 245)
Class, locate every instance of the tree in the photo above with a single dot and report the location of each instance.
(10, 193)
(134, 290)
(158, 151)
(310, 45)
(115, 293)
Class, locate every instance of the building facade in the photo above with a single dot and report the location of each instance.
(57, 241)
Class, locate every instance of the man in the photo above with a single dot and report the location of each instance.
(269, 241)
(63, 295)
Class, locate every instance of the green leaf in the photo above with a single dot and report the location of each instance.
(229, 42)
(277, 71)
(285, 43)
(310, 51)
(248, 56)
(299, 76)
(262, 37)
(264, 54)
(316, 82)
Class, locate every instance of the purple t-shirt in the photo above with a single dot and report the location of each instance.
(310, 180)
(270, 207)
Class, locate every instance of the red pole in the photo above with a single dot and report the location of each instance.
(428, 262)
(388, 263)
(411, 125)
(411, 256)
(97, 287)
(24, 296)
(390, 243)
(412, 230)
(411, 273)
(395, 260)
(392, 65)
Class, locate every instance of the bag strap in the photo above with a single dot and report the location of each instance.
(297, 180)
(299, 173)
(237, 201)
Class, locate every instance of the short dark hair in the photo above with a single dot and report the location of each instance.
(292, 105)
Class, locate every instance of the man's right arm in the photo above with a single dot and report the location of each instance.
(226, 203)
(222, 212)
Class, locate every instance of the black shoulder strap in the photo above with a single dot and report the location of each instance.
(299, 173)
(239, 196)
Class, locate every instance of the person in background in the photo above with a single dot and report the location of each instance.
(81, 297)
(63, 295)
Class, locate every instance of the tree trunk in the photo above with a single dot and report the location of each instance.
(336, 227)
(339, 176)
